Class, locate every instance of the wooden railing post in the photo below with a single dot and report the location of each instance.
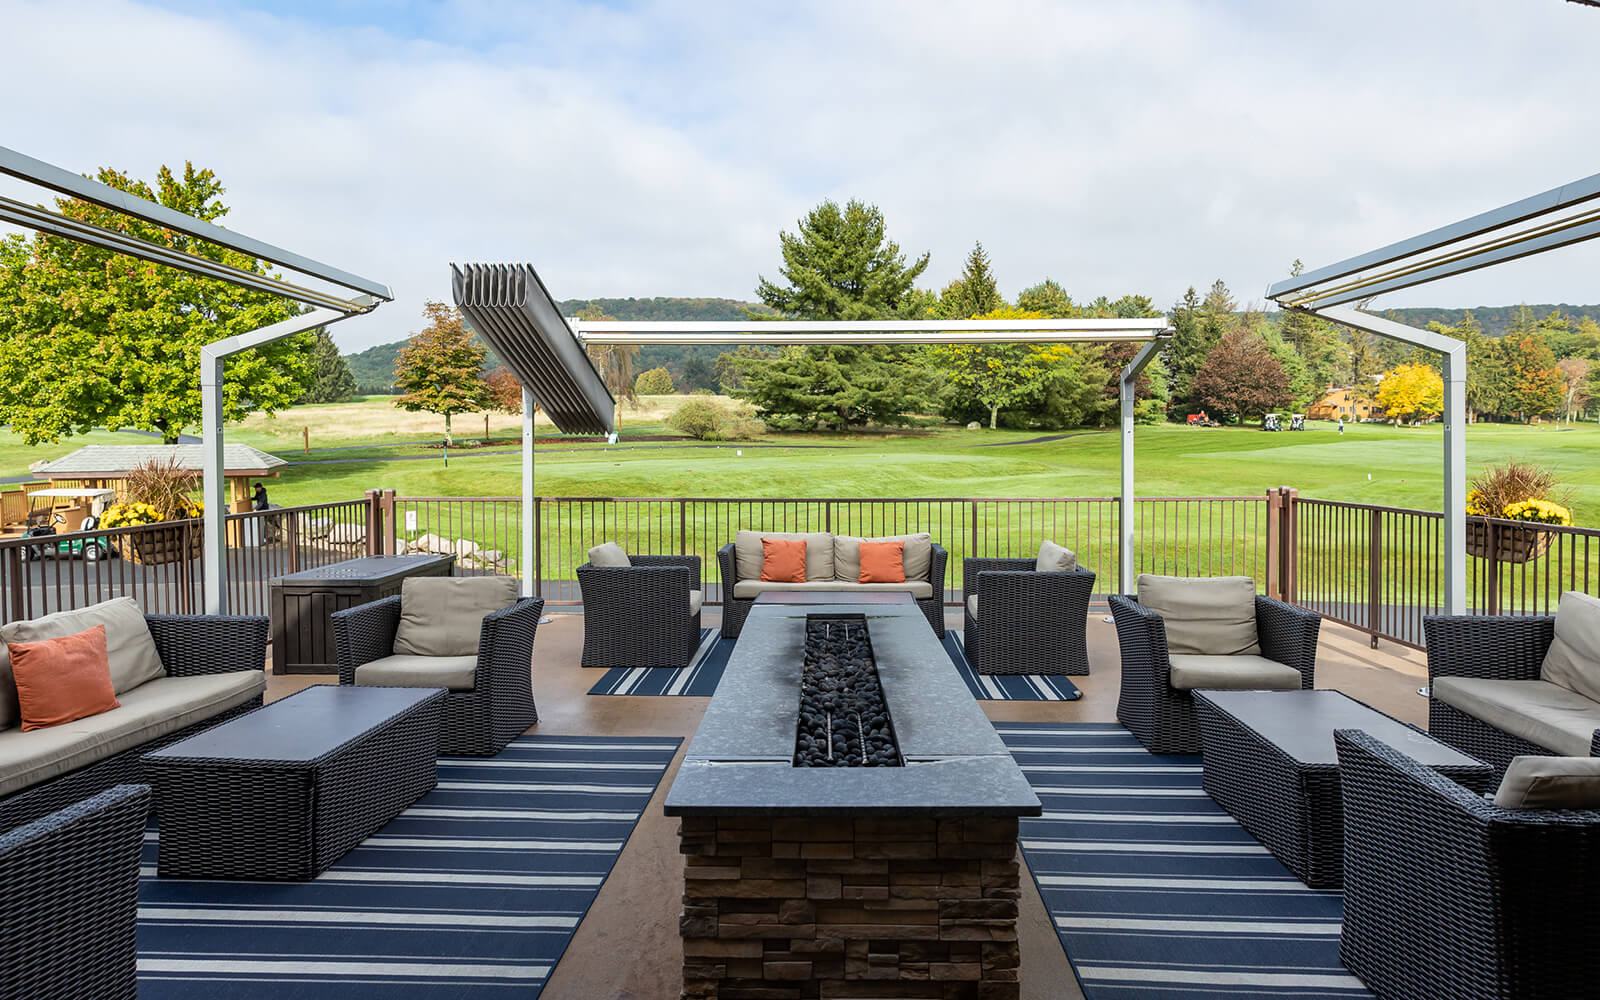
(374, 521)
(291, 542)
(1274, 542)
(1288, 544)
(1374, 574)
(390, 527)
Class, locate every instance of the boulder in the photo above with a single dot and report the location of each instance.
(432, 543)
(315, 527)
(974, 426)
(489, 556)
(464, 547)
(348, 534)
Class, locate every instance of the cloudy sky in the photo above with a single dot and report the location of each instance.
(658, 148)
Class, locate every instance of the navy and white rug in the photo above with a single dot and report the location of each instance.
(472, 892)
(705, 670)
(1154, 890)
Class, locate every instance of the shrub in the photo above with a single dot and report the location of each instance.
(699, 418)
(655, 382)
(745, 429)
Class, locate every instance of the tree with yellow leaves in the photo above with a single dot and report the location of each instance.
(1411, 391)
(1000, 375)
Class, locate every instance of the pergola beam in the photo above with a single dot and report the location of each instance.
(781, 333)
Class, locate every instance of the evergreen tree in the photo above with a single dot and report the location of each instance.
(1363, 363)
(331, 381)
(1194, 335)
(840, 265)
(974, 293)
(1047, 299)
(1315, 341)
(440, 370)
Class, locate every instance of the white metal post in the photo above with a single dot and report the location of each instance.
(528, 541)
(1126, 511)
(214, 482)
(1455, 480)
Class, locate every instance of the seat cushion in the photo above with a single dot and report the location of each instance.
(916, 558)
(1540, 712)
(147, 712)
(443, 615)
(744, 590)
(402, 670)
(1239, 672)
(747, 552)
(1550, 783)
(1054, 558)
(129, 648)
(1209, 616)
(1573, 659)
(609, 555)
(697, 600)
(972, 605)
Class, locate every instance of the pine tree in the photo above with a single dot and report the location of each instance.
(440, 370)
(840, 265)
(330, 374)
(1047, 299)
(1195, 334)
(974, 293)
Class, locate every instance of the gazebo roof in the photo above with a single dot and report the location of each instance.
(115, 461)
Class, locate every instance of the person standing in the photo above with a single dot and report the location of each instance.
(1341, 425)
(258, 498)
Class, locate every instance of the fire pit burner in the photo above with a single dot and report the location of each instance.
(844, 719)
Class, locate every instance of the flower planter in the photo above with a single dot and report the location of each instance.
(1512, 544)
(159, 544)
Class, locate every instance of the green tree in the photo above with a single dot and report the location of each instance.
(1315, 341)
(1194, 333)
(1535, 387)
(90, 338)
(999, 375)
(655, 382)
(698, 374)
(841, 265)
(1241, 378)
(1047, 299)
(440, 370)
(330, 374)
(835, 387)
(973, 293)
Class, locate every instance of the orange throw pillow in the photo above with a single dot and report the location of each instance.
(783, 560)
(59, 680)
(883, 562)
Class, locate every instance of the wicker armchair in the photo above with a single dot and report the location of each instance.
(1163, 717)
(498, 709)
(69, 899)
(1020, 621)
(1501, 648)
(189, 646)
(1450, 897)
(735, 610)
(644, 615)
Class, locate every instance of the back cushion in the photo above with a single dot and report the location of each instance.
(1209, 616)
(1054, 558)
(916, 557)
(883, 562)
(443, 615)
(129, 648)
(609, 555)
(63, 679)
(1573, 660)
(783, 560)
(1550, 783)
(747, 553)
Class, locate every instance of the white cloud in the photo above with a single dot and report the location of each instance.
(658, 149)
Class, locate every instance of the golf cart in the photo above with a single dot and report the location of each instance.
(1297, 421)
(66, 511)
(1272, 422)
(1202, 419)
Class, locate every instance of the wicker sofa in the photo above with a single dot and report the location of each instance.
(1449, 896)
(69, 899)
(211, 668)
(832, 563)
(646, 614)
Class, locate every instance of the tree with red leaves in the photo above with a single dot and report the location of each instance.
(1240, 377)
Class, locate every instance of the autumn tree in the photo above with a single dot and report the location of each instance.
(1411, 392)
(1535, 381)
(974, 293)
(505, 391)
(1241, 378)
(440, 370)
(331, 381)
(1574, 386)
(91, 338)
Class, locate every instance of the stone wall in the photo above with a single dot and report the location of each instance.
(791, 908)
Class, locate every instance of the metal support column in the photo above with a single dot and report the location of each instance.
(1455, 481)
(1126, 512)
(528, 541)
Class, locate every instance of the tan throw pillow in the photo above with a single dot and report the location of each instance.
(916, 557)
(129, 648)
(748, 553)
(609, 555)
(10, 710)
(1210, 616)
(1550, 783)
(1055, 559)
(443, 615)
(1573, 660)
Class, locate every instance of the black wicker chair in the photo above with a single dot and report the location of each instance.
(641, 615)
(69, 899)
(1504, 648)
(735, 610)
(498, 709)
(1163, 717)
(1450, 897)
(189, 646)
(1027, 622)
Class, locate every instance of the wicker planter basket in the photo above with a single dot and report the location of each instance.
(1511, 544)
(158, 545)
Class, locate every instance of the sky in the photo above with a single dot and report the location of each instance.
(638, 149)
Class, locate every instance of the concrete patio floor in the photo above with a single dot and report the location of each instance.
(627, 946)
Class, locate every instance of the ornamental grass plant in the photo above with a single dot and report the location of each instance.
(1519, 491)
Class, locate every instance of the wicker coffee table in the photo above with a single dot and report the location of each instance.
(1270, 762)
(287, 790)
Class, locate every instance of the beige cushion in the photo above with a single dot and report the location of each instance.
(747, 589)
(1240, 672)
(1550, 783)
(748, 554)
(697, 600)
(972, 605)
(443, 615)
(1210, 616)
(153, 709)
(403, 671)
(916, 557)
(609, 555)
(1055, 559)
(1540, 712)
(129, 647)
(1573, 660)
(10, 710)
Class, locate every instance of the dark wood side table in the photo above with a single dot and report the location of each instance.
(301, 603)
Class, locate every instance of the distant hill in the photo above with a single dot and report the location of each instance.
(373, 368)
(1495, 320)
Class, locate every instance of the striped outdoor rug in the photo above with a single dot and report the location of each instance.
(701, 676)
(1155, 891)
(474, 891)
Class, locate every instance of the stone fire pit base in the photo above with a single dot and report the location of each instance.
(785, 908)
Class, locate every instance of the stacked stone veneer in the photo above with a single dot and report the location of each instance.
(783, 908)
